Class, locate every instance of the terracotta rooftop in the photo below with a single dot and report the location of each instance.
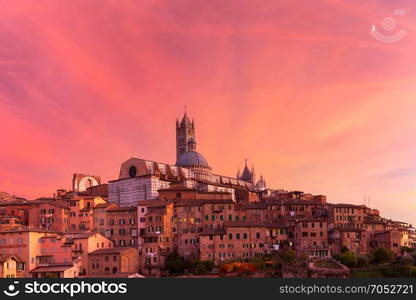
(110, 250)
(196, 202)
(254, 224)
(53, 268)
(126, 208)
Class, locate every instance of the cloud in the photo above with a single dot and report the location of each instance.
(301, 89)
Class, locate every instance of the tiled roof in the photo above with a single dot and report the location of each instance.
(4, 258)
(254, 224)
(347, 205)
(126, 208)
(196, 202)
(53, 268)
(110, 250)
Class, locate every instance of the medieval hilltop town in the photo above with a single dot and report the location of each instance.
(158, 219)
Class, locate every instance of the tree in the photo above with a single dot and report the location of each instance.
(406, 261)
(382, 255)
(363, 261)
(288, 256)
(344, 249)
(348, 258)
(175, 264)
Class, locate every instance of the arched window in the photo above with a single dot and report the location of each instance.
(132, 171)
(115, 270)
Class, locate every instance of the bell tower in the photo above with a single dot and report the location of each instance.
(185, 130)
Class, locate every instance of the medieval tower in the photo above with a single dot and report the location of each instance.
(184, 132)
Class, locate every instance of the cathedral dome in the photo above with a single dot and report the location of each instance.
(261, 184)
(192, 159)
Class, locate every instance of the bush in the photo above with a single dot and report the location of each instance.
(408, 249)
(366, 274)
(200, 269)
(406, 261)
(240, 268)
(258, 261)
(207, 264)
(344, 249)
(370, 257)
(363, 261)
(413, 254)
(175, 264)
(347, 258)
(382, 255)
(288, 256)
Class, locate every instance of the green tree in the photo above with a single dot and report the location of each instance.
(288, 256)
(175, 264)
(347, 258)
(406, 261)
(382, 255)
(363, 261)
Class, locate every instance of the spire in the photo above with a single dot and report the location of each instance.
(238, 173)
(185, 120)
(247, 175)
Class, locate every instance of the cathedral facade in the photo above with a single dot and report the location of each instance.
(140, 179)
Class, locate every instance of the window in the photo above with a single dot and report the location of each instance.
(178, 195)
(230, 217)
(132, 171)
(257, 235)
(245, 235)
(206, 217)
(230, 236)
(304, 234)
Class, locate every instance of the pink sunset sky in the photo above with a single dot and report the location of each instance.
(300, 88)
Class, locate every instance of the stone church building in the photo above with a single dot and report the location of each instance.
(140, 179)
